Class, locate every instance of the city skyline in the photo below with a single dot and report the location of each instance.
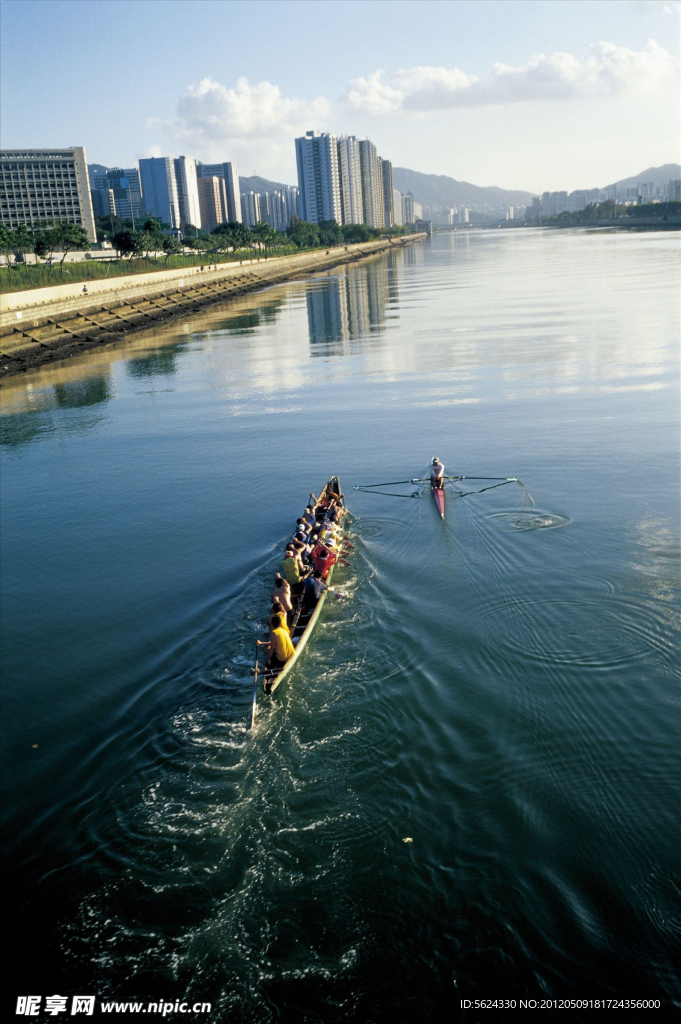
(528, 96)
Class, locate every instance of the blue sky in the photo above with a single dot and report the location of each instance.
(536, 95)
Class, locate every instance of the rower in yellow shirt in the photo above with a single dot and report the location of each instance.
(279, 646)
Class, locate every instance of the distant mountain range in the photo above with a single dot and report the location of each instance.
(658, 175)
(257, 184)
(439, 190)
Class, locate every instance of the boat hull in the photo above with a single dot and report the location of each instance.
(439, 498)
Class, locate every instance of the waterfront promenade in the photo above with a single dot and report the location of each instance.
(44, 324)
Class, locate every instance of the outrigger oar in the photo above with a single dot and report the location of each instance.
(255, 687)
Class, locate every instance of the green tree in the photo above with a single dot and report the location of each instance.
(6, 243)
(171, 246)
(303, 234)
(69, 238)
(330, 233)
(23, 244)
(264, 234)
(125, 243)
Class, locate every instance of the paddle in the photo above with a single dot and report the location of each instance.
(255, 687)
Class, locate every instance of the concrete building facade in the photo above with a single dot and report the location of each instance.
(126, 193)
(187, 191)
(318, 178)
(159, 188)
(45, 185)
(350, 175)
(372, 185)
(387, 178)
(211, 202)
(250, 208)
(228, 173)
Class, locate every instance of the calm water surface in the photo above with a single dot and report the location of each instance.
(501, 688)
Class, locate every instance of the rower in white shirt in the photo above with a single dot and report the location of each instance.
(437, 473)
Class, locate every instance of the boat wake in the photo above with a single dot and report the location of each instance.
(531, 519)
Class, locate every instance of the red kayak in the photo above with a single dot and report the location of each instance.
(439, 495)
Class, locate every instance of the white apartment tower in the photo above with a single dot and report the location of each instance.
(372, 185)
(350, 174)
(318, 178)
(250, 207)
(188, 190)
(397, 207)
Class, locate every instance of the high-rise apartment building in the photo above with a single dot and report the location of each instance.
(318, 178)
(350, 174)
(118, 191)
(387, 178)
(372, 185)
(250, 208)
(397, 207)
(279, 208)
(45, 185)
(159, 187)
(212, 202)
(187, 190)
(407, 208)
(229, 174)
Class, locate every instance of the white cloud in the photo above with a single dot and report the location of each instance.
(217, 122)
(606, 70)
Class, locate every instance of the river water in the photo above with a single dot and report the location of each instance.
(500, 688)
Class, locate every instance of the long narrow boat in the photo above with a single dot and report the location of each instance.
(439, 496)
(307, 621)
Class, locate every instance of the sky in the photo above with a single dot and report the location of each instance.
(525, 94)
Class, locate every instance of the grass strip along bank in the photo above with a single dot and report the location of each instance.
(152, 249)
(39, 326)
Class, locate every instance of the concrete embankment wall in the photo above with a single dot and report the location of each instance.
(51, 323)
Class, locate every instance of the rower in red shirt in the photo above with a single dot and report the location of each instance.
(322, 559)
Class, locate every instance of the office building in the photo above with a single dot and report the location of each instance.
(350, 175)
(372, 185)
(212, 202)
(45, 185)
(318, 178)
(229, 174)
(159, 188)
(103, 202)
(126, 193)
(387, 177)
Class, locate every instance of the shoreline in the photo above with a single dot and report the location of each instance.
(37, 329)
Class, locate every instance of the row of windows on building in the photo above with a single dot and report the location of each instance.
(344, 179)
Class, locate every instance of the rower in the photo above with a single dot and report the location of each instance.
(322, 559)
(289, 569)
(313, 590)
(437, 473)
(282, 593)
(279, 647)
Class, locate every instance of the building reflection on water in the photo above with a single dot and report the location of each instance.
(34, 414)
(348, 306)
